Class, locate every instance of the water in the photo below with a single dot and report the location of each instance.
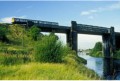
(93, 63)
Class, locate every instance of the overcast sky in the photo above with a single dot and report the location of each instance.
(98, 13)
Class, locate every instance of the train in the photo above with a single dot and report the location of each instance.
(38, 22)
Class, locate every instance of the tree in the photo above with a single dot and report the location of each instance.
(34, 32)
(97, 50)
(3, 33)
(98, 46)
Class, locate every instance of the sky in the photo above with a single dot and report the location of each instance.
(98, 13)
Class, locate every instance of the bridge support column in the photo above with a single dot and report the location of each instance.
(109, 49)
(68, 36)
(112, 49)
(112, 40)
(74, 36)
(106, 52)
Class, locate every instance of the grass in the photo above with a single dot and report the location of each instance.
(72, 68)
(44, 71)
(18, 62)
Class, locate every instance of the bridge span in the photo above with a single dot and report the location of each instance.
(109, 36)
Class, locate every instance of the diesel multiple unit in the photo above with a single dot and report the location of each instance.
(36, 22)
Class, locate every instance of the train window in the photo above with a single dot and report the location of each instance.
(16, 19)
(25, 20)
(39, 22)
(35, 21)
(21, 20)
(42, 22)
(45, 22)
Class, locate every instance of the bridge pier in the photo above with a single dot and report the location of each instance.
(113, 49)
(74, 36)
(109, 51)
(69, 38)
(106, 52)
(107, 58)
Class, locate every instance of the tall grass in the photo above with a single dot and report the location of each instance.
(14, 56)
(45, 71)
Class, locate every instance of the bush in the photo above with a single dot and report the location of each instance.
(49, 49)
(97, 50)
(3, 33)
(34, 33)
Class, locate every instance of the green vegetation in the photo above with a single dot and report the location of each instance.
(117, 55)
(30, 55)
(49, 51)
(46, 71)
(34, 33)
(97, 50)
(3, 33)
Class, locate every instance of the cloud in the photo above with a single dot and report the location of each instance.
(88, 12)
(91, 17)
(112, 7)
(9, 19)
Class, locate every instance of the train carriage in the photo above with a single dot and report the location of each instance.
(35, 22)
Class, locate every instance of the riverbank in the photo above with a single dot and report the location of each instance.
(97, 50)
(97, 54)
(93, 63)
(69, 70)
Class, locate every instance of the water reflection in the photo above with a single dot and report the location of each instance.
(93, 63)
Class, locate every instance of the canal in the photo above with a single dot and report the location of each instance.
(93, 63)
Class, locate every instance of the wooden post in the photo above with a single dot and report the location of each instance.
(106, 52)
(74, 35)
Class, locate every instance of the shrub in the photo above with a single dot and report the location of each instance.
(34, 33)
(49, 49)
(3, 33)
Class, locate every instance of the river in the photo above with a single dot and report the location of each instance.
(93, 63)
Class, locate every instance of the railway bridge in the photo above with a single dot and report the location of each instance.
(109, 36)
